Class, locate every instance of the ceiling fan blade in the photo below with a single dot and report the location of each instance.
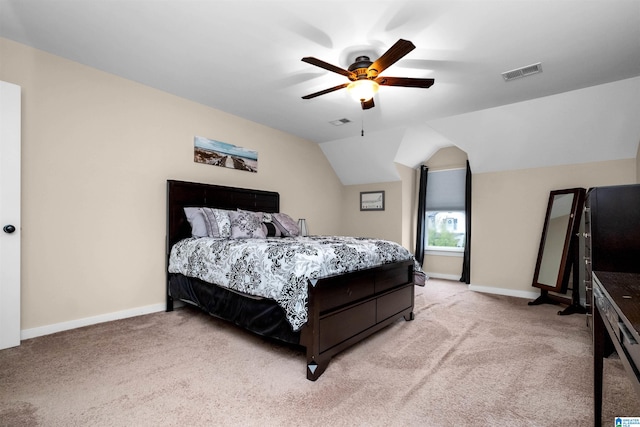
(367, 104)
(395, 52)
(320, 63)
(322, 92)
(405, 81)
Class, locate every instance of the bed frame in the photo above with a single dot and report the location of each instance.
(342, 310)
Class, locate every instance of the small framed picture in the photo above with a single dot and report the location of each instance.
(372, 200)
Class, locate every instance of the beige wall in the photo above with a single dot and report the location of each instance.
(409, 178)
(96, 153)
(508, 215)
(447, 158)
(386, 224)
(396, 222)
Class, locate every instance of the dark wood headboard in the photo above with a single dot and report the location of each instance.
(181, 194)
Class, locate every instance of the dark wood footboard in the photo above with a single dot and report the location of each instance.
(344, 310)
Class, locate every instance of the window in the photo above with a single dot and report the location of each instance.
(445, 230)
(445, 211)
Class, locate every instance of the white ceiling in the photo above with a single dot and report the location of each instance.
(243, 57)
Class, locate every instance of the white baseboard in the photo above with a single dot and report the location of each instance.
(26, 334)
(487, 289)
(506, 292)
(443, 276)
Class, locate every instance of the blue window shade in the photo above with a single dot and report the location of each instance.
(445, 190)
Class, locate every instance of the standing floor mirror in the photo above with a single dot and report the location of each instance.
(559, 248)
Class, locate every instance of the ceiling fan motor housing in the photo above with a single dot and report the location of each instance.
(361, 68)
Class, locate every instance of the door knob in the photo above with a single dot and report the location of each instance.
(9, 228)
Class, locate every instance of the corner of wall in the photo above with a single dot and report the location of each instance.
(409, 204)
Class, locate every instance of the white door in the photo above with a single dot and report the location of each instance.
(9, 215)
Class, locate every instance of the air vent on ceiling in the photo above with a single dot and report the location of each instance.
(340, 122)
(522, 72)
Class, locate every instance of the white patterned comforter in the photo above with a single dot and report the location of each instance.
(279, 268)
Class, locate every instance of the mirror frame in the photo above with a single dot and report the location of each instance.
(570, 244)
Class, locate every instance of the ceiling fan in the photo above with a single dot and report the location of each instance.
(364, 74)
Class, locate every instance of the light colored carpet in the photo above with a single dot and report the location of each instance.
(466, 359)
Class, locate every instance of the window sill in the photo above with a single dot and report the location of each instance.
(454, 252)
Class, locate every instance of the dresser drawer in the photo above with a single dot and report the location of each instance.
(341, 326)
(390, 278)
(340, 292)
(607, 311)
(630, 345)
(394, 303)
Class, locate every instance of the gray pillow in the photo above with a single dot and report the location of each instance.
(197, 222)
(286, 224)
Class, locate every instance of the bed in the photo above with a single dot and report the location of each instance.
(338, 310)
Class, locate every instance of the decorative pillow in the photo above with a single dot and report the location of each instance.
(266, 216)
(197, 222)
(246, 225)
(288, 227)
(271, 230)
(217, 222)
(269, 227)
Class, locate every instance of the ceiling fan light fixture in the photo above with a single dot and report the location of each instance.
(362, 90)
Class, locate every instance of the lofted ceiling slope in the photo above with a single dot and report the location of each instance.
(244, 57)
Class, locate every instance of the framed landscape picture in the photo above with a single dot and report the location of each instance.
(372, 200)
(218, 153)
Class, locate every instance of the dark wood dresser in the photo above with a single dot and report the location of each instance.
(616, 322)
(611, 238)
(612, 280)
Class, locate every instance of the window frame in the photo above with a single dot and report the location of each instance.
(444, 250)
(448, 195)
(455, 251)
